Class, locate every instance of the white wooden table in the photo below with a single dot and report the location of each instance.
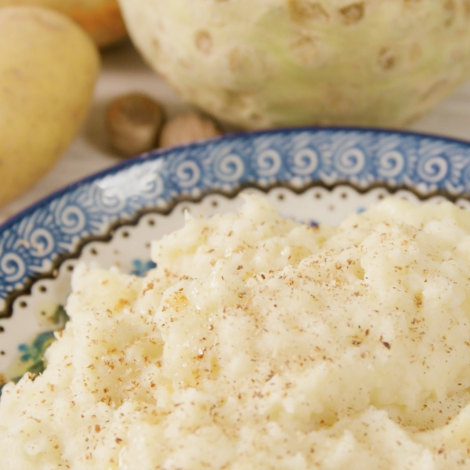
(124, 71)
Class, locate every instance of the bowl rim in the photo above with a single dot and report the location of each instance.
(159, 153)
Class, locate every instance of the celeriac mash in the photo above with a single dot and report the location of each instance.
(259, 343)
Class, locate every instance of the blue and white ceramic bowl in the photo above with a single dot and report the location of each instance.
(313, 175)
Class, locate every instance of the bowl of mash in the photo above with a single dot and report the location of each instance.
(292, 299)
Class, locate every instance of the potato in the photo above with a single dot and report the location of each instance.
(48, 67)
(100, 18)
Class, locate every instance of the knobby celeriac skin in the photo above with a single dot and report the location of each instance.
(261, 343)
(272, 63)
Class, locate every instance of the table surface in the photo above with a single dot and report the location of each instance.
(124, 71)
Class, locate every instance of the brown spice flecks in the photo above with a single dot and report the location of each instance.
(418, 299)
(148, 287)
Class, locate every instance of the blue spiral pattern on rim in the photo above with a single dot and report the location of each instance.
(31, 242)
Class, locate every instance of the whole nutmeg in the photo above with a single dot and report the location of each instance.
(187, 128)
(133, 122)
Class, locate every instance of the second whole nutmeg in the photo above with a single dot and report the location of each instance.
(186, 128)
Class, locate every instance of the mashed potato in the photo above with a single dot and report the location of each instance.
(259, 343)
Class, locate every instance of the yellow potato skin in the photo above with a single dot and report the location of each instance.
(48, 68)
(101, 19)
